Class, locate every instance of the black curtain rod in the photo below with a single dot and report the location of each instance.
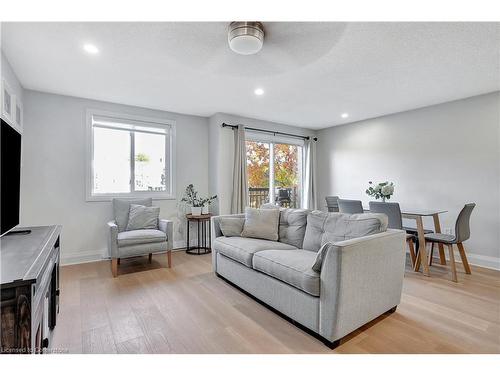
(224, 125)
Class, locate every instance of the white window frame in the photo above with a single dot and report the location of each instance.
(276, 139)
(170, 153)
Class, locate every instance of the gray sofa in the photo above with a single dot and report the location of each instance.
(360, 277)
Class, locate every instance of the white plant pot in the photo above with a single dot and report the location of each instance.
(204, 211)
(196, 211)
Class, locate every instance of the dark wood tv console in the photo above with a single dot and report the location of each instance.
(29, 289)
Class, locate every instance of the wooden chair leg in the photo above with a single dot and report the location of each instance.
(150, 257)
(169, 259)
(442, 257)
(465, 262)
(452, 264)
(114, 267)
(431, 254)
(413, 257)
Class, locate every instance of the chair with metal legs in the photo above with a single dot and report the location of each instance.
(462, 233)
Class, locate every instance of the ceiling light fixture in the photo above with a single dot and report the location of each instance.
(245, 38)
(344, 115)
(259, 92)
(90, 48)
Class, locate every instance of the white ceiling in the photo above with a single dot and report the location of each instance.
(311, 72)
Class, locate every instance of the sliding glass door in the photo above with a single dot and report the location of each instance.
(274, 173)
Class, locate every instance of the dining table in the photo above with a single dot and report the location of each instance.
(418, 215)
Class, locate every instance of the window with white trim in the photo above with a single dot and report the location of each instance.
(129, 157)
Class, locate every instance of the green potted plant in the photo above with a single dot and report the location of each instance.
(382, 190)
(207, 202)
(191, 199)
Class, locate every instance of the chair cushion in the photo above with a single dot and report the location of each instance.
(231, 226)
(242, 249)
(414, 230)
(142, 217)
(440, 237)
(141, 236)
(323, 227)
(293, 267)
(121, 208)
(261, 223)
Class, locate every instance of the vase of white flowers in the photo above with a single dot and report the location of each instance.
(382, 190)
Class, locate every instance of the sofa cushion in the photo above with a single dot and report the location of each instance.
(325, 227)
(292, 224)
(261, 223)
(231, 226)
(141, 236)
(142, 217)
(242, 249)
(292, 267)
(121, 208)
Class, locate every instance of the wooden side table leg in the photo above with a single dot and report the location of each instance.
(437, 229)
(422, 251)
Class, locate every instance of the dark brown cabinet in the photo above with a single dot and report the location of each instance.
(29, 289)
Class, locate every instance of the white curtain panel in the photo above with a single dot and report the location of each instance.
(309, 183)
(239, 199)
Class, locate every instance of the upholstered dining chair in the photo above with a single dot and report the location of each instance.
(132, 243)
(348, 206)
(462, 233)
(393, 212)
(332, 203)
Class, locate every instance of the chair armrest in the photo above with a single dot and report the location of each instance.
(360, 279)
(167, 227)
(113, 239)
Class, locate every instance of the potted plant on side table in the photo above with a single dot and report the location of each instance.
(191, 198)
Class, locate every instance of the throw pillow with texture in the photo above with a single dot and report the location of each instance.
(231, 226)
(142, 217)
(320, 256)
(261, 223)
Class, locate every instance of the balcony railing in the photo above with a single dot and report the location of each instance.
(285, 197)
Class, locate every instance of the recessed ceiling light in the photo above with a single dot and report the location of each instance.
(259, 92)
(90, 48)
(344, 115)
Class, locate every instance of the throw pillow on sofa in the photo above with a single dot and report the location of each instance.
(261, 223)
(231, 226)
(142, 217)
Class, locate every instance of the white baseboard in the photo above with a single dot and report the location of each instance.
(474, 259)
(81, 257)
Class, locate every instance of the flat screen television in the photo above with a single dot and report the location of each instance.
(10, 177)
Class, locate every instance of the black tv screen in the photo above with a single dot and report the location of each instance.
(10, 175)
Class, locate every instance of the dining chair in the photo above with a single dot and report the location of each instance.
(348, 206)
(462, 233)
(332, 202)
(393, 212)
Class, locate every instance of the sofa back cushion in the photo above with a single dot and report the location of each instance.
(121, 208)
(292, 225)
(323, 227)
(261, 223)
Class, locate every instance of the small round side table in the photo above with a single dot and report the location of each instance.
(201, 223)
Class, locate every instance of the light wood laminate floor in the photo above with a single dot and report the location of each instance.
(187, 309)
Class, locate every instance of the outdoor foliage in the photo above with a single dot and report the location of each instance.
(285, 165)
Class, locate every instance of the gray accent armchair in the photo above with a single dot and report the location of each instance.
(127, 244)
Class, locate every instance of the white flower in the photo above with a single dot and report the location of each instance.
(387, 190)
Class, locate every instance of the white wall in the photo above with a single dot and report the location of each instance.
(441, 156)
(221, 142)
(53, 174)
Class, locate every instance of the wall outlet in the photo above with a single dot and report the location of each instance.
(447, 231)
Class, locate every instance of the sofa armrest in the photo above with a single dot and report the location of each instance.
(167, 226)
(113, 239)
(216, 232)
(360, 279)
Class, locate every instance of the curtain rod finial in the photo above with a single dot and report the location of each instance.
(315, 139)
